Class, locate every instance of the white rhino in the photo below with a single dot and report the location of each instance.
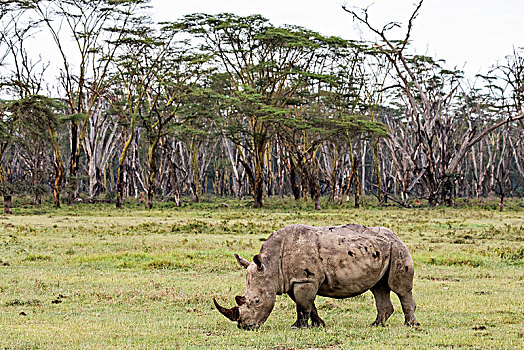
(337, 262)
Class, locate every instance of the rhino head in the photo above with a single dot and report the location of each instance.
(254, 307)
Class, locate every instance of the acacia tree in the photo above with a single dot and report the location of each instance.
(8, 125)
(505, 85)
(100, 143)
(153, 77)
(376, 70)
(174, 77)
(351, 99)
(218, 109)
(7, 122)
(24, 80)
(427, 92)
(266, 66)
(198, 130)
(332, 115)
(95, 27)
(39, 116)
(128, 86)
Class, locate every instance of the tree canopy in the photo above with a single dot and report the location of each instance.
(234, 105)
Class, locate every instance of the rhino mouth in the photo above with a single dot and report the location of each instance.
(234, 315)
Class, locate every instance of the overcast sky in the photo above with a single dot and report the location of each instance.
(469, 34)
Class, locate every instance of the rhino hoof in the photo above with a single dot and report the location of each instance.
(299, 324)
(319, 323)
(412, 323)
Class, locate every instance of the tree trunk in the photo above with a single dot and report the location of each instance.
(195, 186)
(280, 178)
(303, 181)
(120, 181)
(378, 173)
(258, 186)
(363, 171)
(176, 191)
(152, 173)
(8, 204)
(355, 169)
(293, 179)
(268, 173)
(59, 174)
(91, 172)
(174, 178)
(58, 167)
(237, 185)
(120, 171)
(73, 166)
(315, 191)
(35, 183)
(447, 191)
(356, 183)
(256, 174)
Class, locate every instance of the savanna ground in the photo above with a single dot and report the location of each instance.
(94, 277)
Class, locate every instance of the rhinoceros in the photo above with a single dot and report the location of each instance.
(337, 262)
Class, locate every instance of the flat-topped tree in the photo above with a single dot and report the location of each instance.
(174, 80)
(266, 65)
(8, 125)
(94, 26)
(328, 118)
(154, 75)
(39, 117)
(199, 127)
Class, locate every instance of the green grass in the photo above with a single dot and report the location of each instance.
(90, 276)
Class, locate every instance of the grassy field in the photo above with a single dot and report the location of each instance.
(93, 277)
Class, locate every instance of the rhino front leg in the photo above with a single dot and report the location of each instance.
(303, 294)
(316, 321)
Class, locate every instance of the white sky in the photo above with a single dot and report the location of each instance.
(468, 34)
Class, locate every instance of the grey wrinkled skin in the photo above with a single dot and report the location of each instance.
(337, 262)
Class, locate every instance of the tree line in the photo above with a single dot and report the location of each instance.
(236, 106)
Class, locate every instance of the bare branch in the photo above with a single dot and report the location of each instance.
(470, 142)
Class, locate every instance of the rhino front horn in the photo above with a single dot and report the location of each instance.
(232, 313)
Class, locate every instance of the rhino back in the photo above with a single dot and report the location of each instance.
(343, 260)
(354, 258)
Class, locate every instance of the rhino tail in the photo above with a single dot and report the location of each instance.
(401, 268)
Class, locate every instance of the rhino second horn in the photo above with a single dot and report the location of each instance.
(233, 314)
(243, 262)
(240, 300)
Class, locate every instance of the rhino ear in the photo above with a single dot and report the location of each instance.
(257, 260)
(243, 262)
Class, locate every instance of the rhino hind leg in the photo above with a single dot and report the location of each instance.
(401, 282)
(303, 294)
(408, 307)
(381, 292)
